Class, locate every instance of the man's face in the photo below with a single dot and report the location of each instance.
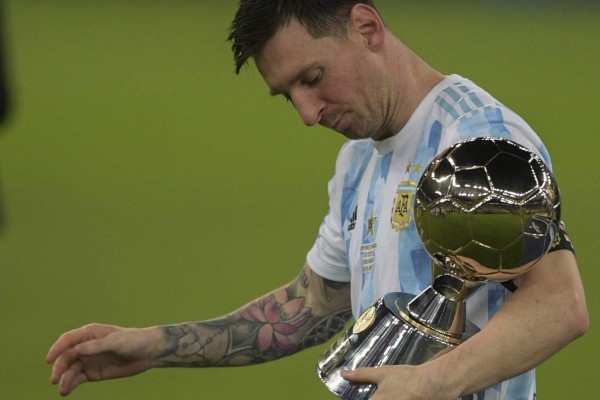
(330, 81)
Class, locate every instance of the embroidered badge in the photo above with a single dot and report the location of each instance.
(402, 212)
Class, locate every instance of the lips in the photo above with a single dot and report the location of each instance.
(333, 123)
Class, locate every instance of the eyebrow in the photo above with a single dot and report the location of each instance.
(296, 78)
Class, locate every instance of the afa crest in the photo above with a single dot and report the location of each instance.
(402, 212)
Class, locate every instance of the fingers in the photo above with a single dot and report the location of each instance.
(62, 364)
(95, 352)
(77, 336)
(65, 341)
(68, 374)
(73, 377)
(362, 375)
(68, 350)
(69, 368)
(65, 362)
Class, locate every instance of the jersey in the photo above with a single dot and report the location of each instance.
(369, 238)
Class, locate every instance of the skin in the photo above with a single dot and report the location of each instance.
(364, 86)
(307, 311)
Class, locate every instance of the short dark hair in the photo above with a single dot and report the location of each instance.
(256, 21)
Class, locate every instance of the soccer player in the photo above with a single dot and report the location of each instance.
(339, 66)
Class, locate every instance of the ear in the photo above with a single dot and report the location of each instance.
(366, 24)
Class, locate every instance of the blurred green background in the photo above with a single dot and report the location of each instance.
(143, 183)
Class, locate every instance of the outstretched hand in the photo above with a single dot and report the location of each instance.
(95, 352)
(399, 382)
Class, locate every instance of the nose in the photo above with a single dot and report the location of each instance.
(309, 107)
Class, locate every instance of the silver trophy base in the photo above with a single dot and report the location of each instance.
(385, 334)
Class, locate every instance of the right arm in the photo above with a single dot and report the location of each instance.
(306, 312)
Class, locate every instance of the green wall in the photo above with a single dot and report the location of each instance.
(143, 183)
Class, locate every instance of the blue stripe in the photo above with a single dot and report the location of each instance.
(496, 297)
(472, 96)
(458, 99)
(373, 209)
(496, 121)
(453, 95)
(447, 107)
(488, 121)
(545, 156)
(414, 266)
(520, 386)
(435, 135)
(414, 262)
(360, 161)
(464, 106)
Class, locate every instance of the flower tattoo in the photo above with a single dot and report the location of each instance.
(278, 318)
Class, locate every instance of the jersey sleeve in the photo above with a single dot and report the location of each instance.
(469, 112)
(327, 257)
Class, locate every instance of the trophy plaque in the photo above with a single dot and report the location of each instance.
(485, 209)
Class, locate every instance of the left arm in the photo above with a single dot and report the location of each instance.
(546, 313)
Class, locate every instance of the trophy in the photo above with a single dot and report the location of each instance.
(485, 209)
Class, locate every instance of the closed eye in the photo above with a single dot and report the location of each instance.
(313, 81)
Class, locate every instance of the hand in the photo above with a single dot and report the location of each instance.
(400, 382)
(95, 352)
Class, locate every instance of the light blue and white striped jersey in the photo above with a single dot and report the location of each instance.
(369, 237)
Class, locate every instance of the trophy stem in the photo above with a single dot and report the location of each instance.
(442, 306)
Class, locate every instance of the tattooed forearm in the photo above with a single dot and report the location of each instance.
(186, 343)
(331, 289)
(227, 341)
(326, 328)
(307, 312)
(303, 278)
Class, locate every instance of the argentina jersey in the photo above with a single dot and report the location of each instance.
(369, 236)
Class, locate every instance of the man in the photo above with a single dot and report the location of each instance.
(340, 67)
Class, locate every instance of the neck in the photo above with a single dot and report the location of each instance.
(411, 80)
